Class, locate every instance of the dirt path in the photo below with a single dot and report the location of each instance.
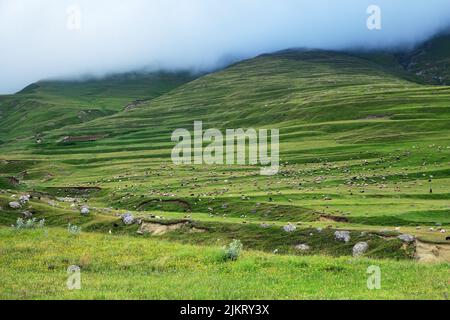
(429, 252)
(158, 229)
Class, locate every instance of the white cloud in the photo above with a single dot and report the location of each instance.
(117, 35)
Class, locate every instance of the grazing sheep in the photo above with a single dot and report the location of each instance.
(289, 227)
(406, 238)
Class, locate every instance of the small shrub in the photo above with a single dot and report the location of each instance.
(232, 251)
(73, 229)
(29, 224)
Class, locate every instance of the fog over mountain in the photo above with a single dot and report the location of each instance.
(66, 39)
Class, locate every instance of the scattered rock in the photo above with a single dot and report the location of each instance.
(360, 248)
(406, 238)
(27, 214)
(289, 227)
(128, 218)
(84, 211)
(157, 229)
(302, 247)
(342, 236)
(24, 199)
(15, 205)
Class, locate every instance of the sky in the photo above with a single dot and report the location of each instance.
(62, 39)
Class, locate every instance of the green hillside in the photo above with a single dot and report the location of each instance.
(364, 148)
(48, 105)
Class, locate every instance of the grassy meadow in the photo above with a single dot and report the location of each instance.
(124, 267)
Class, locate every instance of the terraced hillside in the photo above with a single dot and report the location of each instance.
(335, 115)
(364, 148)
(48, 105)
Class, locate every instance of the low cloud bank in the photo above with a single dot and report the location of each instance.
(61, 39)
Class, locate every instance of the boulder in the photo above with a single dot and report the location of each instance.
(15, 205)
(406, 238)
(342, 236)
(360, 248)
(27, 214)
(302, 247)
(84, 211)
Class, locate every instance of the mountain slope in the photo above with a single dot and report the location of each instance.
(47, 105)
(306, 93)
(363, 147)
(430, 61)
